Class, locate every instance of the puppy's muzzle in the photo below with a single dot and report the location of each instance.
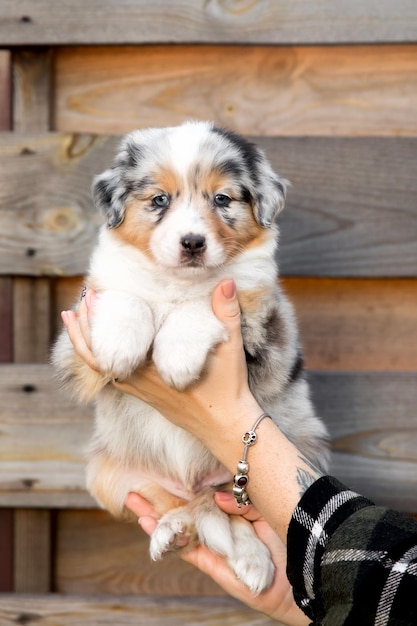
(193, 245)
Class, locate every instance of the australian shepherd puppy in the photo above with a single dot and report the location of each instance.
(186, 207)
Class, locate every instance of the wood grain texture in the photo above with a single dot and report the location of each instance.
(31, 306)
(44, 436)
(6, 334)
(6, 320)
(31, 338)
(371, 416)
(356, 324)
(6, 293)
(60, 610)
(32, 544)
(245, 21)
(32, 89)
(57, 223)
(6, 550)
(322, 91)
(95, 554)
(5, 90)
(351, 210)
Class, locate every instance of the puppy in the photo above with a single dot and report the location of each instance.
(186, 207)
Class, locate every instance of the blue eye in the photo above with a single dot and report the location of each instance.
(221, 200)
(161, 201)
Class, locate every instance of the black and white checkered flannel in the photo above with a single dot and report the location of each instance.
(351, 562)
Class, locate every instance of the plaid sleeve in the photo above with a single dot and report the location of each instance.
(350, 562)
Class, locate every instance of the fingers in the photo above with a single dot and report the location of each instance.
(84, 315)
(227, 503)
(78, 328)
(144, 510)
(226, 305)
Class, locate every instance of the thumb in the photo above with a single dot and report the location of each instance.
(226, 305)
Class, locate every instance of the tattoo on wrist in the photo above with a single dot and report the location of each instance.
(306, 478)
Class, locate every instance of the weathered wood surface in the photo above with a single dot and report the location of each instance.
(351, 211)
(31, 89)
(356, 324)
(44, 436)
(95, 554)
(32, 539)
(6, 294)
(245, 21)
(371, 417)
(32, 547)
(58, 610)
(322, 91)
(5, 90)
(6, 333)
(55, 224)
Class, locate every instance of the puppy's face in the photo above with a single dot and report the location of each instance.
(190, 197)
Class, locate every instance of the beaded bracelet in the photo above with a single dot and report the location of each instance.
(241, 479)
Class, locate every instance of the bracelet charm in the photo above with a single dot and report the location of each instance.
(241, 478)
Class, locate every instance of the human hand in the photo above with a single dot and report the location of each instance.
(277, 601)
(201, 408)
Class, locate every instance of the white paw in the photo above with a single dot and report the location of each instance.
(174, 531)
(251, 561)
(121, 334)
(119, 354)
(179, 364)
(183, 343)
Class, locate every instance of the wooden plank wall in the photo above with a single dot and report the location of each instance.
(330, 94)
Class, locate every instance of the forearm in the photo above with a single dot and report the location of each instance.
(275, 466)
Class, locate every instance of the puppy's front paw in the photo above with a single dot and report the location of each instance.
(183, 343)
(119, 354)
(177, 366)
(121, 334)
(174, 531)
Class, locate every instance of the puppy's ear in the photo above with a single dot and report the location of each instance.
(109, 195)
(270, 193)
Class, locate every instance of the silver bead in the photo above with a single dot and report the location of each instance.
(238, 491)
(243, 467)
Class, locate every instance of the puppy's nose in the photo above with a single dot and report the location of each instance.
(193, 244)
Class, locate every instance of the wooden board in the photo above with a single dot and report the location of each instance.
(32, 86)
(247, 21)
(95, 554)
(44, 435)
(356, 324)
(31, 303)
(6, 333)
(56, 222)
(282, 91)
(5, 90)
(59, 610)
(351, 211)
(43, 442)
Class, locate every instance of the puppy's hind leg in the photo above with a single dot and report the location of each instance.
(231, 537)
(251, 560)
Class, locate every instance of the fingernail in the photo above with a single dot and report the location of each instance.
(64, 317)
(229, 289)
